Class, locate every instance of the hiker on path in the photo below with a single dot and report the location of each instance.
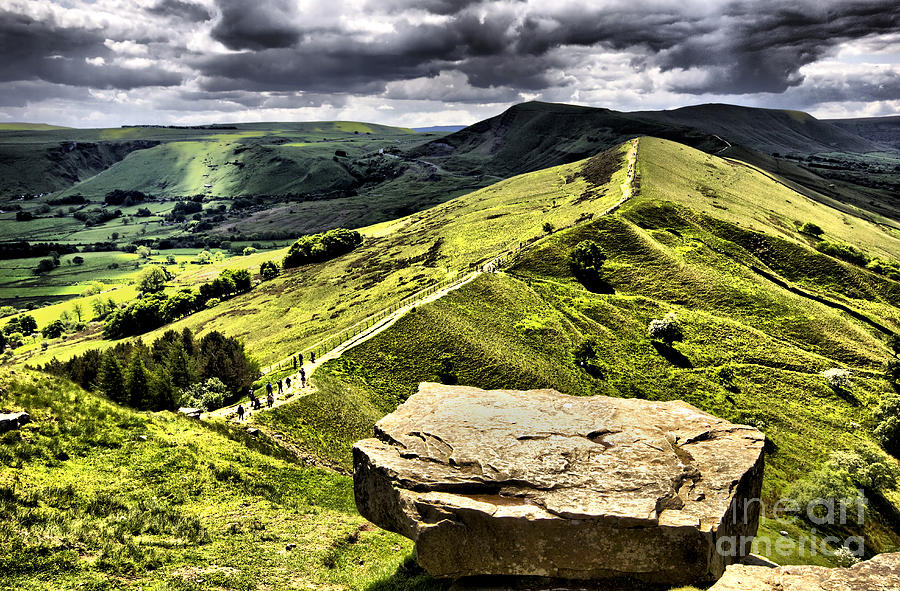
(240, 412)
(269, 388)
(287, 383)
(279, 387)
(294, 359)
(312, 356)
(270, 400)
(300, 359)
(302, 378)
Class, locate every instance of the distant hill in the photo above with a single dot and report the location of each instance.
(882, 130)
(16, 126)
(766, 130)
(445, 128)
(535, 135)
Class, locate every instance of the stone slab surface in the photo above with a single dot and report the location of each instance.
(538, 483)
(881, 573)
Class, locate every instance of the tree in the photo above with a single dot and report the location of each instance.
(248, 250)
(812, 229)
(54, 330)
(144, 252)
(204, 257)
(137, 382)
(668, 330)
(44, 266)
(887, 418)
(548, 228)
(268, 270)
(320, 247)
(153, 279)
(27, 324)
(2, 342)
(111, 380)
(170, 259)
(78, 309)
(585, 262)
(224, 358)
(78, 260)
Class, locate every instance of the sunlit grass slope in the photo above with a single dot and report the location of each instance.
(95, 496)
(397, 259)
(753, 350)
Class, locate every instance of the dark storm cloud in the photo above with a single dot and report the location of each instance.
(19, 94)
(256, 25)
(763, 50)
(182, 10)
(41, 50)
(442, 7)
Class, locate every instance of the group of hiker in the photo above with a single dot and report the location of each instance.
(281, 385)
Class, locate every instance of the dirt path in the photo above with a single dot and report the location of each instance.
(296, 392)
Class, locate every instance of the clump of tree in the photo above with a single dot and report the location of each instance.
(126, 197)
(176, 370)
(269, 270)
(157, 309)
(667, 330)
(586, 262)
(153, 279)
(886, 267)
(96, 216)
(842, 251)
(811, 229)
(25, 324)
(24, 250)
(887, 421)
(315, 248)
(838, 482)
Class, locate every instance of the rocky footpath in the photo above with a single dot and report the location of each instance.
(538, 483)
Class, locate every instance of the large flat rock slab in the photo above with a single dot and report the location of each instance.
(538, 483)
(881, 573)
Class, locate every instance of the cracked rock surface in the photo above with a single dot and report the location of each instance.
(881, 573)
(539, 483)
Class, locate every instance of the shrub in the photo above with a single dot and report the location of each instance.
(838, 378)
(213, 302)
(888, 268)
(207, 395)
(586, 355)
(248, 250)
(153, 279)
(548, 228)
(585, 262)
(811, 229)
(316, 248)
(78, 260)
(887, 419)
(668, 330)
(842, 251)
(54, 330)
(44, 266)
(268, 270)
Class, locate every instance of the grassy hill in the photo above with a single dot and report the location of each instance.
(714, 240)
(535, 135)
(398, 258)
(766, 130)
(711, 240)
(96, 496)
(881, 130)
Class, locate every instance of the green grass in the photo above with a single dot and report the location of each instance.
(398, 258)
(96, 496)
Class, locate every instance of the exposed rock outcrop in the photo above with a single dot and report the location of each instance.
(539, 483)
(13, 420)
(881, 573)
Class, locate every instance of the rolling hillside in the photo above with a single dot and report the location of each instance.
(535, 135)
(715, 241)
(881, 130)
(766, 130)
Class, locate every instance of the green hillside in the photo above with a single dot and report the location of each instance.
(763, 308)
(397, 259)
(96, 496)
(767, 130)
(29, 126)
(881, 130)
(710, 240)
(534, 135)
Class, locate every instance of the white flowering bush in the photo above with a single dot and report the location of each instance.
(667, 330)
(838, 378)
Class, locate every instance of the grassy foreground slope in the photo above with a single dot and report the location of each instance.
(96, 496)
(397, 259)
(711, 241)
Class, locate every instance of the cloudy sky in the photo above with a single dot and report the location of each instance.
(96, 63)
